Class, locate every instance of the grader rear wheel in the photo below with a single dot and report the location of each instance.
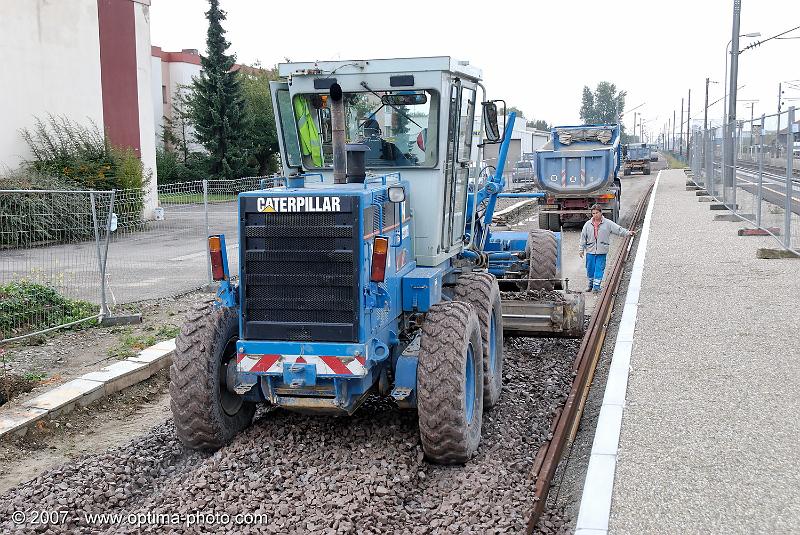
(541, 252)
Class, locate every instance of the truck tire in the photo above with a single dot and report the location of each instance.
(483, 293)
(544, 220)
(615, 211)
(450, 383)
(554, 223)
(206, 414)
(626, 172)
(541, 252)
(647, 170)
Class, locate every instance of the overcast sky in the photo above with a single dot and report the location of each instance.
(536, 55)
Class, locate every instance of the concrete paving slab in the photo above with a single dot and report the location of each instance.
(82, 391)
(121, 375)
(710, 426)
(19, 418)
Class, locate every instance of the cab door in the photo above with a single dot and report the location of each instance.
(461, 112)
(288, 140)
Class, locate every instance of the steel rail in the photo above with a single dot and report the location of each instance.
(566, 419)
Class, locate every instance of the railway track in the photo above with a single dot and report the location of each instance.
(566, 420)
(312, 474)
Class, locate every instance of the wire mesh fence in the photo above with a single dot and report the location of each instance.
(50, 258)
(761, 181)
(67, 256)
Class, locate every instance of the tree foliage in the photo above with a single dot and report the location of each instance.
(217, 103)
(603, 106)
(538, 124)
(261, 133)
(520, 113)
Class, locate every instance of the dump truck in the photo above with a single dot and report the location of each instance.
(373, 269)
(577, 168)
(637, 158)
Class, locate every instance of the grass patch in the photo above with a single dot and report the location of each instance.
(131, 344)
(27, 307)
(165, 332)
(673, 162)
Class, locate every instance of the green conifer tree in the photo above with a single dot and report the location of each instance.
(217, 104)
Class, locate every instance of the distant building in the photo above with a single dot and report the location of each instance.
(171, 70)
(87, 60)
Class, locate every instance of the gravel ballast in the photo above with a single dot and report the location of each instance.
(316, 474)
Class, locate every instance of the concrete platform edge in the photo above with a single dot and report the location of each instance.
(15, 421)
(595, 508)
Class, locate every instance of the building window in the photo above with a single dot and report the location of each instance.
(164, 94)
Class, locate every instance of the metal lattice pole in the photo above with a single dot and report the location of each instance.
(787, 211)
(759, 191)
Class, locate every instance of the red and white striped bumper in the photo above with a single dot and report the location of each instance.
(325, 365)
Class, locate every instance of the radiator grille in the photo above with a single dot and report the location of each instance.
(300, 274)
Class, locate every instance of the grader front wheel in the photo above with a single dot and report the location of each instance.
(207, 415)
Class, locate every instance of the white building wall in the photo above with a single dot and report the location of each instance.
(158, 104)
(181, 74)
(39, 43)
(147, 138)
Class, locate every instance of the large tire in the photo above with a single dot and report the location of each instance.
(207, 415)
(449, 403)
(541, 252)
(615, 211)
(544, 220)
(554, 223)
(483, 293)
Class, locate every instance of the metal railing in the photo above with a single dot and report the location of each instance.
(762, 186)
(73, 256)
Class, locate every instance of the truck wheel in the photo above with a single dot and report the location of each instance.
(554, 223)
(450, 383)
(544, 220)
(615, 211)
(207, 415)
(626, 172)
(647, 171)
(483, 293)
(541, 252)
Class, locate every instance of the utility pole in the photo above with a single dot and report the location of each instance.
(634, 125)
(728, 168)
(778, 131)
(680, 142)
(689, 128)
(673, 130)
(705, 113)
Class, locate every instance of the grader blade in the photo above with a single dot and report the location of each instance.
(558, 314)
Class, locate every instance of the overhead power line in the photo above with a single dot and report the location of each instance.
(757, 43)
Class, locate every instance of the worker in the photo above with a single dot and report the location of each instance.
(595, 241)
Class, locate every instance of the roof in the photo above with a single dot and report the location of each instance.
(374, 66)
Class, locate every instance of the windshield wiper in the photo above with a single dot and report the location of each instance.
(398, 110)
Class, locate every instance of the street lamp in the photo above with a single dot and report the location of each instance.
(725, 80)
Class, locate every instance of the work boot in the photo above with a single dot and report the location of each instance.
(596, 290)
(589, 289)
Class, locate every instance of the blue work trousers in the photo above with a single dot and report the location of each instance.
(595, 267)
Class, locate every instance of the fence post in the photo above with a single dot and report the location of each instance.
(103, 305)
(205, 210)
(709, 163)
(787, 210)
(103, 300)
(759, 192)
(734, 174)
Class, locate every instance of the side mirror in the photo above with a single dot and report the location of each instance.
(397, 194)
(490, 122)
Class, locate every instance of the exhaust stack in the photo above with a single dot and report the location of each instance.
(338, 138)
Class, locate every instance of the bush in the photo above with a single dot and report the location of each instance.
(28, 306)
(171, 169)
(81, 156)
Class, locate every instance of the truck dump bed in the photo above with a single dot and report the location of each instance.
(578, 160)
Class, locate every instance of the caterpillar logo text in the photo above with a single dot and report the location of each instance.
(299, 204)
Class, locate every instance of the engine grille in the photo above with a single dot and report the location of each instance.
(300, 274)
